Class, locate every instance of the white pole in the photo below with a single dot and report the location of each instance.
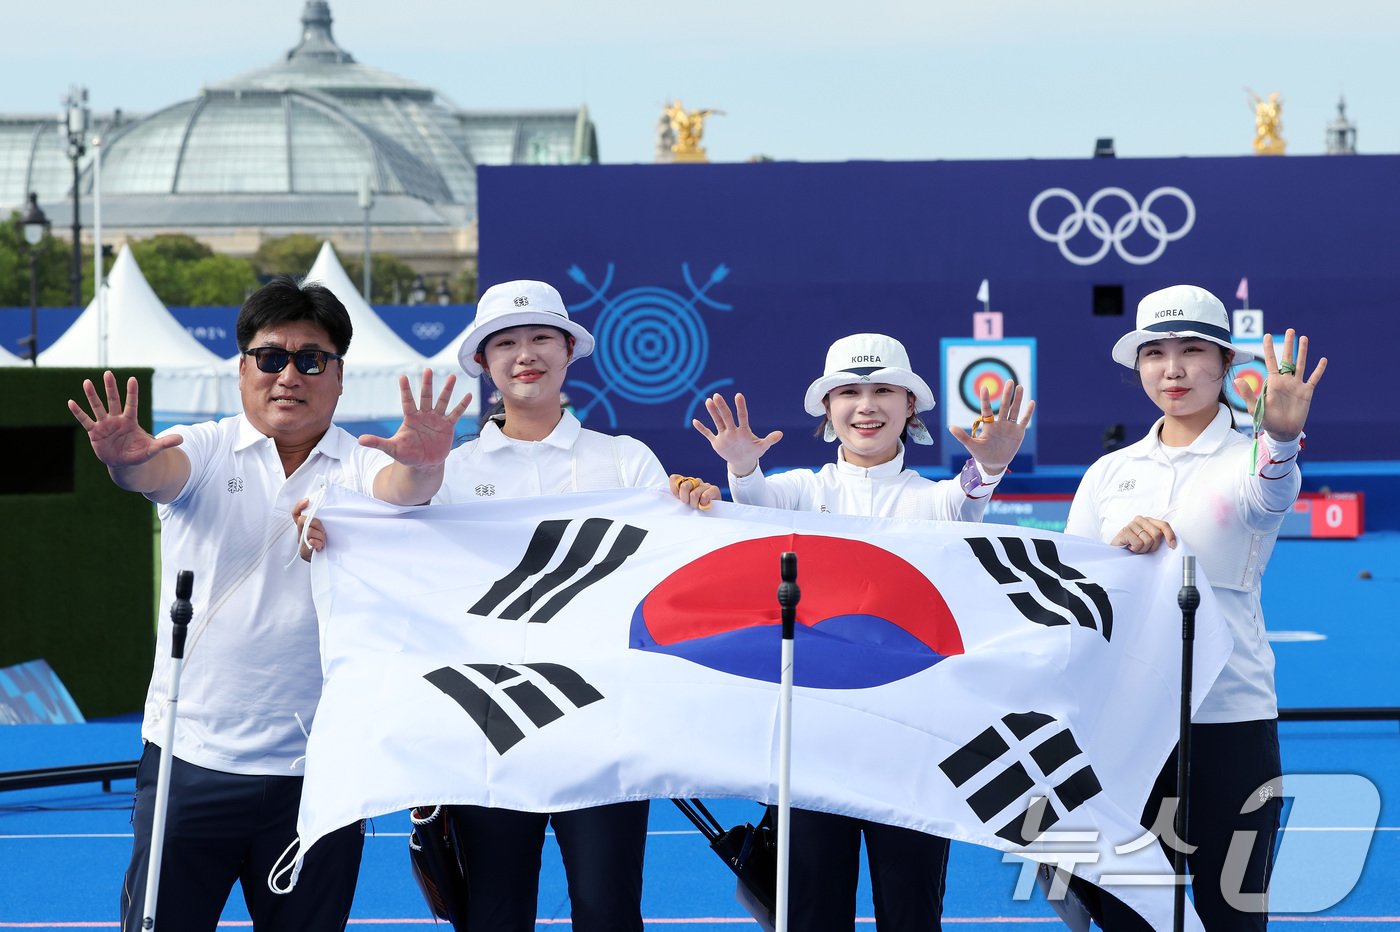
(366, 203)
(97, 252)
(167, 758)
(788, 596)
(180, 614)
(784, 787)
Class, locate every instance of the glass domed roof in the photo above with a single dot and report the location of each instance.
(314, 123)
(289, 144)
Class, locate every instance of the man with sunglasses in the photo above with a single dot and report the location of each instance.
(225, 491)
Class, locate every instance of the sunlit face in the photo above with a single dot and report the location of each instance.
(1182, 375)
(868, 418)
(527, 363)
(292, 408)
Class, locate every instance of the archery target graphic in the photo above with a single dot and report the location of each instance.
(1253, 372)
(652, 346)
(969, 367)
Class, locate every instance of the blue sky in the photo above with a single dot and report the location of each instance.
(815, 81)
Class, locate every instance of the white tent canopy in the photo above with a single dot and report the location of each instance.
(374, 343)
(377, 356)
(192, 383)
(142, 333)
(8, 358)
(444, 363)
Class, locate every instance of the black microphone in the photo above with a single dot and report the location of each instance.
(181, 611)
(788, 593)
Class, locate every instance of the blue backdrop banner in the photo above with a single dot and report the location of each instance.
(705, 278)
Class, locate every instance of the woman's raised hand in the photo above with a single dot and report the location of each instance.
(731, 437)
(995, 445)
(1288, 395)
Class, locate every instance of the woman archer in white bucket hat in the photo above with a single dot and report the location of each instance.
(870, 399)
(523, 340)
(1196, 478)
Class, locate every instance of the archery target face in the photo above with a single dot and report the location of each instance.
(1252, 372)
(969, 367)
(984, 377)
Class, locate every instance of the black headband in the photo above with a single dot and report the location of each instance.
(1210, 330)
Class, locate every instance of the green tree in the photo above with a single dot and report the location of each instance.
(87, 270)
(216, 280)
(464, 285)
(286, 255)
(53, 261)
(182, 271)
(164, 260)
(391, 278)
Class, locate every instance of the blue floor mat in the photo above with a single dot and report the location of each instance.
(63, 849)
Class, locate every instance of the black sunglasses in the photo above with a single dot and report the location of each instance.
(307, 361)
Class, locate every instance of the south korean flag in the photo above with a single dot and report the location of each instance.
(1022, 775)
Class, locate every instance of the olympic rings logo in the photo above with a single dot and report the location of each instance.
(1084, 215)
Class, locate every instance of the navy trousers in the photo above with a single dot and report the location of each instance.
(226, 827)
(1229, 763)
(908, 870)
(602, 847)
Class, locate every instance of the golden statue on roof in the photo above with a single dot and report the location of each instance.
(688, 126)
(1268, 123)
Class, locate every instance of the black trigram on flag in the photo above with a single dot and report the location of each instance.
(593, 553)
(1038, 585)
(994, 771)
(532, 703)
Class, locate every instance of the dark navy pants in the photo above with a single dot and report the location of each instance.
(226, 827)
(1229, 764)
(907, 874)
(603, 848)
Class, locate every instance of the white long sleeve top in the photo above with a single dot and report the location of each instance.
(885, 491)
(1228, 513)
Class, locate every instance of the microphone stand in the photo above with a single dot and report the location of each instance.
(1188, 598)
(180, 614)
(788, 596)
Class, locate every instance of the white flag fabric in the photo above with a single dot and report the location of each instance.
(984, 293)
(558, 652)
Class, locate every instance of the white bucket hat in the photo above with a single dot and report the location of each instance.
(1179, 311)
(519, 304)
(870, 357)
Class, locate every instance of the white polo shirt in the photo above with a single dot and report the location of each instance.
(885, 491)
(570, 459)
(252, 655)
(1227, 513)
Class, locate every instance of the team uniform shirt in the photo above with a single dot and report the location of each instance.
(252, 654)
(885, 491)
(1228, 513)
(570, 459)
